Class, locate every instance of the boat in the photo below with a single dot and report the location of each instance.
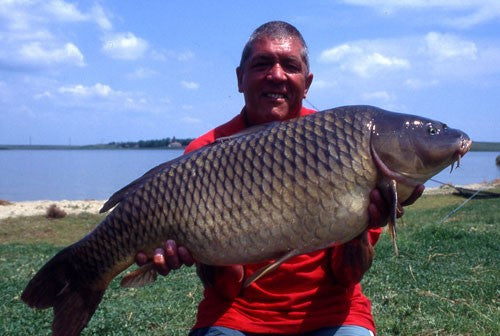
(468, 193)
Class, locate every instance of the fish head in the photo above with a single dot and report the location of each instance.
(411, 149)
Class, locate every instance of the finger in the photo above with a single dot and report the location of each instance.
(173, 261)
(185, 256)
(159, 262)
(363, 237)
(374, 216)
(377, 199)
(417, 192)
(141, 258)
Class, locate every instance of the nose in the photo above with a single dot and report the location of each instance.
(276, 73)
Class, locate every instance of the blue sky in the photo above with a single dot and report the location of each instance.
(84, 72)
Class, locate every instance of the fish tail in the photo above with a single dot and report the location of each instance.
(60, 285)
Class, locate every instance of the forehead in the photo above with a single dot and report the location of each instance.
(279, 47)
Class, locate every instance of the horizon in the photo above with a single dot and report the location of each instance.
(80, 73)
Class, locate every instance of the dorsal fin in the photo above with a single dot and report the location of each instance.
(118, 196)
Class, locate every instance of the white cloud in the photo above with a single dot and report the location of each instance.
(378, 96)
(181, 56)
(45, 94)
(373, 63)
(124, 46)
(99, 16)
(98, 89)
(141, 73)
(417, 83)
(189, 119)
(64, 11)
(68, 12)
(185, 56)
(362, 59)
(323, 84)
(37, 54)
(34, 33)
(437, 56)
(190, 85)
(457, 13)
(445, 46)
(338, 53)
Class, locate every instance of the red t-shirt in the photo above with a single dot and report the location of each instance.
(300, 296)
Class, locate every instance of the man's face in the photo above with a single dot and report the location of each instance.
(274, 80)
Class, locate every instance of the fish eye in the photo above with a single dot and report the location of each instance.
(432, 130)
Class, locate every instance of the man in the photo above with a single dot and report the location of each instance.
(314, 294)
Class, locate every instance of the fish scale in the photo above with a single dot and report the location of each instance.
(271, 192)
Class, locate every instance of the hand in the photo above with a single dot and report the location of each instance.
(168, 258)
(225, 280)
(350, 261)
(417, 192)
(379, 208)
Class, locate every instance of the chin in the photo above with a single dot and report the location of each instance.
(281, 113)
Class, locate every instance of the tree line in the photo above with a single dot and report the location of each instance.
(158, 143)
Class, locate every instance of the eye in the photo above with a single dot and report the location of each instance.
(259, 65)
(432, 130)
(292, 67)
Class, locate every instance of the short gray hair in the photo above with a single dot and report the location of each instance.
(275, 30)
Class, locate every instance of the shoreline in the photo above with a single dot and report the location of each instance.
(39, 208)
(74, 207)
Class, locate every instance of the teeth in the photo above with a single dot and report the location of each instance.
(275, 95)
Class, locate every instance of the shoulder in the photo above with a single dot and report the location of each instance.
(305, 111)
(229, 128)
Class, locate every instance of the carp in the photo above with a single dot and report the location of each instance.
(270, 192)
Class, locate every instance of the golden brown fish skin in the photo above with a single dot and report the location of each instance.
(290, 187)
(247, 199)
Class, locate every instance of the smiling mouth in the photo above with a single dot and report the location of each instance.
(275, 95)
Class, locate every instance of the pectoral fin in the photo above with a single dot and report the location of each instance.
(142, 276)
(269, 268)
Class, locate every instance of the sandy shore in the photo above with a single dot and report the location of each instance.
(35, 208)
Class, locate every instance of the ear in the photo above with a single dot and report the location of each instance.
(309, 79)
(239, 76)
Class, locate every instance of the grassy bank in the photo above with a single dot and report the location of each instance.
(445, 282)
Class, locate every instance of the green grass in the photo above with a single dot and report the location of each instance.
(445, 281)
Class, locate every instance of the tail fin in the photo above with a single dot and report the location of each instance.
(59, 285)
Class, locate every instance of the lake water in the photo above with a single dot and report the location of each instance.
(96, 174)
